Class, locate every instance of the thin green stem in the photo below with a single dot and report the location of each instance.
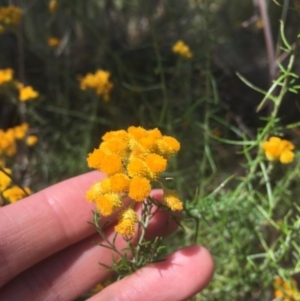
(161, 72)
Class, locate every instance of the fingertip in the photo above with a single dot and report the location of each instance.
(204, 264)
(194, 263)
(179, 277)
(157, 194)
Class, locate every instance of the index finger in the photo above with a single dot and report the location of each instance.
(44, 223)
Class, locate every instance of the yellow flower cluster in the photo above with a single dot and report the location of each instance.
(9, 16)
(286, 291)
(13, 193)
(6, 75)
(52, 6)
(182, 49)
(27, 93)
(279, 149)
(132, 160)
(98, 82)
(9, 138)
(31, 140)
(53, 42)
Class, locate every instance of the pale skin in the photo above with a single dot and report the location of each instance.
(46, 252)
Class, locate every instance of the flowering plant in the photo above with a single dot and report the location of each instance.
(10, 16)
(279, 149)
(10, 193)
(286, 290)
(133, 161)
(14, 140)
(99, 82)
(182, 50)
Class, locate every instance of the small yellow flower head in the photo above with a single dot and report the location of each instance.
(105, 186)
(287, 291)
(278, 149)
(148, 141)
(171, 199)
(139, 188)
(126, 223)
(114, 146)
(119, 182)
(53, 42)
(136, 132)
(93, 193)
(137, 151)
(286, 157)
(6, 75)
(11, 150)
(21, 130)
(137, 167)
(112, 135)
(182, 49)
(16, 193)
(108, 203)
(259, 24)
(111, 164)
(31, 140)
(98, 82)
(5, 179)
(156, 163)
(168, 146)
(10, 15)
(8, 142)
(95, 158)
(52, 6)
(27, 93)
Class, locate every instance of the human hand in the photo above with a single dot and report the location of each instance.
(47, 254)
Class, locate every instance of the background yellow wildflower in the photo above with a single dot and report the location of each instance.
(126, 223)
(287, 291)
(6, 75)
(182, 49)
(278, 149)
(53, 42)
(31, 140)
(10, 15)
(27, 93)
(52, 6)
(5, 178)
(99, 82)
(16, 193)
(21, 130)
